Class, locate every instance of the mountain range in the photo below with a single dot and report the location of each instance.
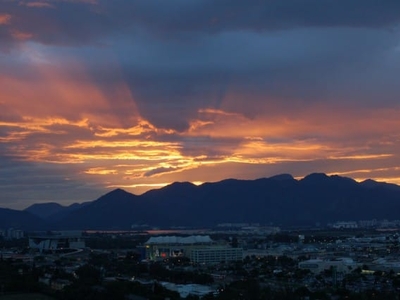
(279, 200)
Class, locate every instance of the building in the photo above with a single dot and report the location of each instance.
(215, 254)
(383, 264)
(199, 248)
(161, 247)
(12, 234)
(345, 225)
(185, 290)
(342, 265)
(59, 240)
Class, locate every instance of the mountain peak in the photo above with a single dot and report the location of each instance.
(282, 177)
(180, 184)
(44, 210)
(118, 192)
(315, 177)
(184, 185)
(115, 195)
(369, 183)
(316, 198)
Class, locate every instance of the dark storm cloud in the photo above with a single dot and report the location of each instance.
(148, 92)
(68, 23)
(330, 65)
(177, 56)
(25, 182)
(77, 23)
(225, 15)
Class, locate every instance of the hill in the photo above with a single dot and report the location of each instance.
(16, 219)
(280, 200)
(44, 210)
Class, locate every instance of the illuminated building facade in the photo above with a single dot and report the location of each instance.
(200, 249)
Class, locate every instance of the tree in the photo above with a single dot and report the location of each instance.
(88, 275)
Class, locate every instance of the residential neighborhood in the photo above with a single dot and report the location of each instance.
(319, 263)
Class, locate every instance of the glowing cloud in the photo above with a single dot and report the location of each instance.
(131, 96)
(5, 19)
(38, 4)
(19, 35)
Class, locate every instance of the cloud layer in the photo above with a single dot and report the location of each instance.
(138, 94)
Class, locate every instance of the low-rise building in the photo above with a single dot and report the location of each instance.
(57, 240)
(200, 249)
(341, 265)
(215, 254)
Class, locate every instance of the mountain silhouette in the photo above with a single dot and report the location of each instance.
(10, 218)
(45, 210)
(280, 200)
(53, 211)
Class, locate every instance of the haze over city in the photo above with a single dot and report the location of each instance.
(96, 95)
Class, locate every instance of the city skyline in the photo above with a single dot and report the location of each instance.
(96, 95)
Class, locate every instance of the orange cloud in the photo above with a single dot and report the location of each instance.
(66, 91)
(61, 115)
(326, 121)
(101, 171)
(134, 154)
(37, 4)
(5, 19)
(22, 36)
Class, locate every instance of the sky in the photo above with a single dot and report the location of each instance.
(97, 95)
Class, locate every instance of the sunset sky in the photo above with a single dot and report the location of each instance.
(96, 95)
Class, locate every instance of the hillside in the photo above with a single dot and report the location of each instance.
(280, 200)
